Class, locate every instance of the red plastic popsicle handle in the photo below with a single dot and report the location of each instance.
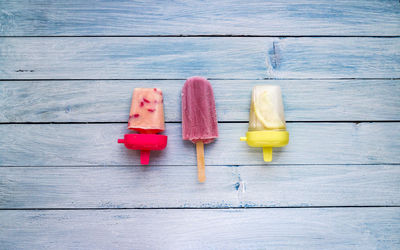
(144, 143)
(145, 157)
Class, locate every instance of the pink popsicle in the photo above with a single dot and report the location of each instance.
(199, 117)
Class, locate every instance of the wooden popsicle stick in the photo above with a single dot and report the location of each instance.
(201, 170)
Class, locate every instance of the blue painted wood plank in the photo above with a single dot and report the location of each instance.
(304, 228)
(177, 186)
(216, 57)
(51, 146)
(109, 101)
(96, 144)
(274, 17)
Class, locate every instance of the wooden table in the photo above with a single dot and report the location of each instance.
(67, 71)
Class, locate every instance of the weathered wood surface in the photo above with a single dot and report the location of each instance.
(305, 17)
(177, 186)
(212, 57)
(96, 144)
(109, 101)
(339, 177)
(304, 228)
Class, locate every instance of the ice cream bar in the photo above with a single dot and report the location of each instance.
(199, 117)
(147, 113)
(146, 117)
(267, 126)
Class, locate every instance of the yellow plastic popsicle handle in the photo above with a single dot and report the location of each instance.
(267, 154)
(266, 139)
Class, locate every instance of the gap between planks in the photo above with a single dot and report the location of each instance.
(175, 122)
(211, 35)
(209, 165)
(198, 208)
(209, 78)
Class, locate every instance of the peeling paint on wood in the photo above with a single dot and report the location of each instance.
(305, 228)
(212, 57)
(96, 144)
(274, 17)
(304, 100)
(176, 186)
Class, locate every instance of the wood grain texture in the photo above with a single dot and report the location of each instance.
(177, 186)
(305, 17)
(212, 57)
(96, 144)
(340, 179)
(109, 101)
(305, 228)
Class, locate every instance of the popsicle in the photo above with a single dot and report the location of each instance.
(147, 112)
(267, 126)
(146, 117)
(199, 117)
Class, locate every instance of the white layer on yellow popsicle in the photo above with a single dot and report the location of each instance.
(266, 111)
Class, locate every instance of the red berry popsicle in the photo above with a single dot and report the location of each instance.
(147, 118)
(147, 111)
(199, 117)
